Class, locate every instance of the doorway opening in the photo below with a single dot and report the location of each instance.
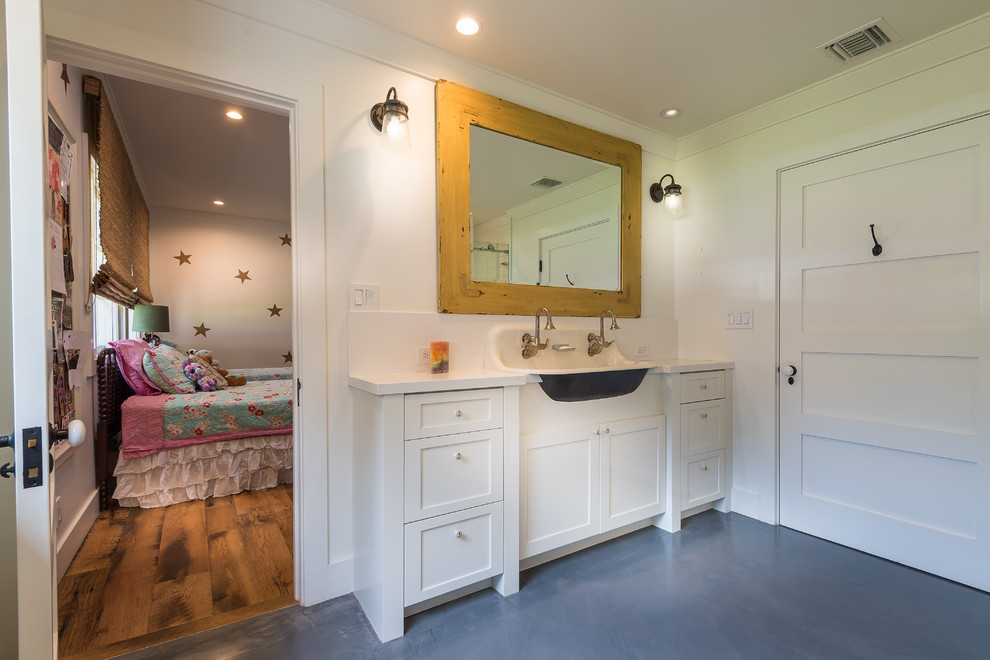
(207, 535)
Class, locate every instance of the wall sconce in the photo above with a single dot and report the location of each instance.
(669, 195)
(391, 117)
(149, 319)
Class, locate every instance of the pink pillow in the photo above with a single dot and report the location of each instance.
(130, 353)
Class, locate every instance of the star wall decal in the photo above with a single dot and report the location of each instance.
(201, 329)
(287, 357)
(274, 310)
(242, 275)
(286, 240)
(183, 258)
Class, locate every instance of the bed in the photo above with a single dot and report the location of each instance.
(158, 450)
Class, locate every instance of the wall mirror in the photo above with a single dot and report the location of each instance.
(533, 211)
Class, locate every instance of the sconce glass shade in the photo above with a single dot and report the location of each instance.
(150, 318)
(391, 117)
(669, 195)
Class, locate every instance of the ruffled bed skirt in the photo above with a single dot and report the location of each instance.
(195, 472)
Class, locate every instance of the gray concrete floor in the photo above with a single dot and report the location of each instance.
(726, 586)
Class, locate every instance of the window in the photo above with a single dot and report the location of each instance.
(109, 318)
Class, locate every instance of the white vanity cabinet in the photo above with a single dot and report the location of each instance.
(436, 494)
(579, 482)
(699, 438)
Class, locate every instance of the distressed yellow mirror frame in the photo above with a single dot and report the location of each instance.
(457, 109)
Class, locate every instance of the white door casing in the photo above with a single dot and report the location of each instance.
(29, 298)
(884, 432)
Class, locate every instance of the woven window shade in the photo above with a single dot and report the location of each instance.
(124, 276)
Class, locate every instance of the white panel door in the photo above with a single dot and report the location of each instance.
(29, 297)
(885, 430)
(586, 257)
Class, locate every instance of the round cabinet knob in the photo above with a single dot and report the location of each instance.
(598, 431)
(703, 386)
(457, 456)
(608, 430)
(458, 413)
(705, 468)
(704, 415)
(458, 534)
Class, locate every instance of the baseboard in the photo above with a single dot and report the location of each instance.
(746, 503)
(529, 562)
(79, 528)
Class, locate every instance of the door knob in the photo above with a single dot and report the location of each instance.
(790, 371)
(75, 433)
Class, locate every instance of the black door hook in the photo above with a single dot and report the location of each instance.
(877, 248)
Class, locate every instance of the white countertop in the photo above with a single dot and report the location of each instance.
(422, 381)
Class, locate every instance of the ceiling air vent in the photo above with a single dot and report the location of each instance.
(546, 182)
(862, 40)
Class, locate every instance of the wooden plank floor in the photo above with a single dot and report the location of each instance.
(144, 576)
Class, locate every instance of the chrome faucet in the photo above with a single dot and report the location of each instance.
(531, 344)
(597, 343)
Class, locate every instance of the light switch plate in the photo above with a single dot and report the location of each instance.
(363, 297)
(739, 319)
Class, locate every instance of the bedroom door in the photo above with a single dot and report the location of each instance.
(885, 426)
(27, 298)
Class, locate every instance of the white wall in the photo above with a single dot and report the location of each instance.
(75, 474)
(726, 246)
(242, 331)
(380, 206)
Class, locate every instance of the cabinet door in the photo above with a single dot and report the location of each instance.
(632, 470)
(452, 551)
(452, 472)
(558, 482)
(702, 479)
(703, 427)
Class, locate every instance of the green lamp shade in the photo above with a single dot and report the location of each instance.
(150, 318)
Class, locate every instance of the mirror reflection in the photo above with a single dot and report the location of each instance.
(542, 216)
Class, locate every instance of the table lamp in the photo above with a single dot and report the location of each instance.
(149, 319)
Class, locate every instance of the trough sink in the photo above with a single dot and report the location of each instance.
(564, 369)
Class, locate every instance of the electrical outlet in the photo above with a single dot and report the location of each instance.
(422, 355)
(642, 350)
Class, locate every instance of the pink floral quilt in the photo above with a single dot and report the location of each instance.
(153, 423)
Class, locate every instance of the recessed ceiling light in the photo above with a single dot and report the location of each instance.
(468, 26)
(234, 114)
(670, 113)
(218, 202)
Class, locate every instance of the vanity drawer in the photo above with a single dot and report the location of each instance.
(702, 386)
(441, 413)
(452, 551)
(702, 427)
(452, 472)
(702, 479)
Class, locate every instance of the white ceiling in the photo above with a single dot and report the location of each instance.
(630, 58)
(633, 58)
(188, 153)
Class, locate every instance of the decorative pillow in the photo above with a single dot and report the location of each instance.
(163, 366)
(130, 353)
(202, 373)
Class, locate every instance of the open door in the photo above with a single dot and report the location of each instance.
(28, 302)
